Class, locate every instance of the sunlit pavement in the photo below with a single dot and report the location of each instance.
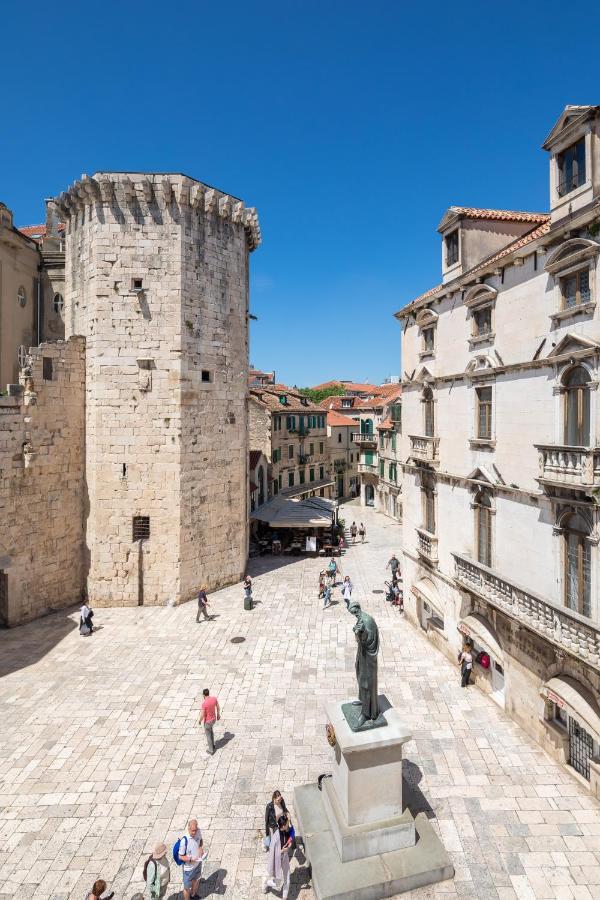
(101, 753)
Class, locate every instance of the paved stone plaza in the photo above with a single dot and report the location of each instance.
(101, 754)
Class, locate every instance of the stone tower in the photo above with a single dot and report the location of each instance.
(157, 282)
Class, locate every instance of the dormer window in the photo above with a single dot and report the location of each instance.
(346, 404)
(571, 168)
(451, 241)
(283, 399)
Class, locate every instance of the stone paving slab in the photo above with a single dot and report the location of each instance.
(101, 755)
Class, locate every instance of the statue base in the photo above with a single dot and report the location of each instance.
(361, 841)
(352, 713)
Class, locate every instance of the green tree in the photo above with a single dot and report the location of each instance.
(334, 390)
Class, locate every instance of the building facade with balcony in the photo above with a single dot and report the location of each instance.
(344, 454)
(501, 450)
(296, 430)
(389, 488)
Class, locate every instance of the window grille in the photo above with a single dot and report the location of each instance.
(141, 528)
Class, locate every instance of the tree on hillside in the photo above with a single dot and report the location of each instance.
(334, 390)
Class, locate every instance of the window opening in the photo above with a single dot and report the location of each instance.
(141, 528)
(484, 413)
(47, 368)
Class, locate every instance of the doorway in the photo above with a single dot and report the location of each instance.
(369, 495)
(3, 598)
(340, 486)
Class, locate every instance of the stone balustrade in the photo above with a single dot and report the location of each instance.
(560, 625)
(359, 438)
(561, 464)
(427, 545)
(368, 469)
(423, 448)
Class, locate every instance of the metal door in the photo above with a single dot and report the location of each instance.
(581, 748)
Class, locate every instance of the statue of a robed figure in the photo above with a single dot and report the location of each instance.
(367, 648)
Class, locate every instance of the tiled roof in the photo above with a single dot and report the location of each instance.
(527, 238)
(254, 457)
(351, 386)
(389, 391)
(335, 402)
(502, 215)
(38, 231)
(336, 418)
(386, 425)
(270, 394)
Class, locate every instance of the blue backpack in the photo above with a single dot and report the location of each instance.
(177, 848)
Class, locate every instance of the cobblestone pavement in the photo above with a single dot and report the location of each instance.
(101, 755)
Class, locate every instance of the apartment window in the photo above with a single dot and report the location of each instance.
(352, 457)
(302, 476)
(482, 321)
(140, 528)
(47, 368)
(578, 564)
(311, 449)
(381, 441)
(428, 335)
(311, 474)
(276, 454)
(483, 527)
(396, 413)
(290, 423)
(577, 407)
(280, 481)
(381, 468)
(571, 168)
(484, 413)
(575, 289)
(321, 473)
(276, 423)
(320, 446)
(393, 442)
(290, 451)
(428, 412)
(428, 504)
(451, 248)
(290, 479)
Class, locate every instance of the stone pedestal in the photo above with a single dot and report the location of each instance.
(360, 840)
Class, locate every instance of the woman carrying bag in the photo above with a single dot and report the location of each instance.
(273, 812)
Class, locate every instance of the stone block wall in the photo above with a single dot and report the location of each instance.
(42, 486)
(157, 281)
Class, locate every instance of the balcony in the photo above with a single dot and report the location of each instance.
(427, 545)
(368, 469)
(569, 466)
(424, 449)
(365, 440)
(559, 625)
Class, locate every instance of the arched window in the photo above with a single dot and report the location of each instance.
(428, 503)
(483, 527)
(578, 564)
(366, 426)
(577, 407)
(428, 412)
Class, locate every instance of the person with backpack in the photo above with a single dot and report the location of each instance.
(202, 605)
(189, 853)
(157, 873)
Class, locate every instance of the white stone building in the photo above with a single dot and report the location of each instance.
(501, 433)
(343, 454)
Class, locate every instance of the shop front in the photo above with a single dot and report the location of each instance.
(572, 719)
(488, 658)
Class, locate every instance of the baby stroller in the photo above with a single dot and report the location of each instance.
(395, 594)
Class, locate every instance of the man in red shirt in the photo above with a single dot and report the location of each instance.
(209, 715)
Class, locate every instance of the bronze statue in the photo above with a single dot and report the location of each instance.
(367, 639)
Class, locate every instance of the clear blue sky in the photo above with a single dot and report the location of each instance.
(351, 126)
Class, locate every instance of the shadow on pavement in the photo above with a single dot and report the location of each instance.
(224, 740)
(412, 795)
(25, 645)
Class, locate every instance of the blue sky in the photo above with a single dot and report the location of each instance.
(351, 126)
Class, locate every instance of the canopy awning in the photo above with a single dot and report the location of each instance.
(579, 702)
(286, 512)
(426, 590)
(477, 627)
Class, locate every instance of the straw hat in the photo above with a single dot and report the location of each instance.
(159, 851)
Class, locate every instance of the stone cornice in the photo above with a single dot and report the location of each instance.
(139, 191)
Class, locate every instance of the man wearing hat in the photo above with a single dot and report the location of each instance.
(158, 873)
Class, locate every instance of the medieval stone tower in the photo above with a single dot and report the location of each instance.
(157, 283)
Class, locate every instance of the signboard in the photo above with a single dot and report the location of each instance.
(555, 698)
(464, 628)
(311, 545)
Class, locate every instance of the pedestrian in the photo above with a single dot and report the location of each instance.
(273, 812)
(278, 864)
(394, 564)
(85, 619)
(202, 605)
(192, 859)
(97, 890)
(157, 873)
(210, 714)
(332, 570)
(465, 661)
(322, 577)
(327, 596)
(353, 532)
(362, 532)
(347, 590)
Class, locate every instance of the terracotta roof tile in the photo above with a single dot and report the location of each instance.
(270, 394)
(386, 425)
(336, 418)
(502, 215)
(38, 231)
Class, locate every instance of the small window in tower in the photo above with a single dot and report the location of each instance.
(21, 296)
(47, 368)
(137, 285)
(141, 528)
(59, 303)
(206, 375)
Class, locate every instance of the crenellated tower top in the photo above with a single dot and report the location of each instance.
(139, 192)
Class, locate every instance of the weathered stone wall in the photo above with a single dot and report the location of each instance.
(259, 428)
(42, 487)
(157, 281)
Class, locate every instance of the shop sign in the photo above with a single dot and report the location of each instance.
(555, 698)
(465, 629)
